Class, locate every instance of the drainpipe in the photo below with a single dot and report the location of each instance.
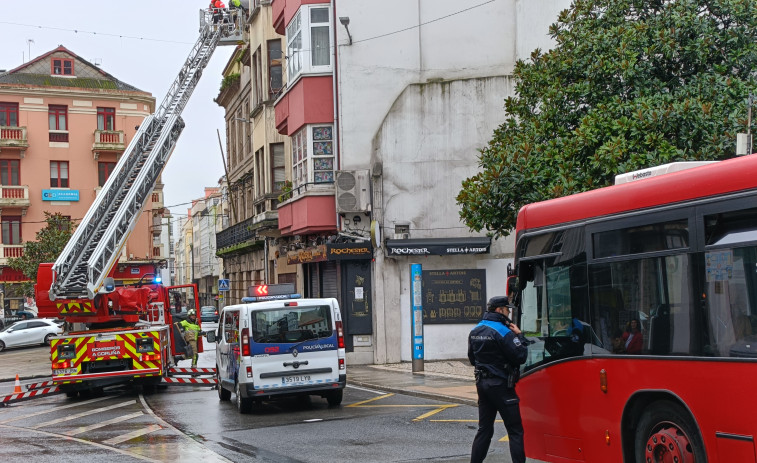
(334, 89)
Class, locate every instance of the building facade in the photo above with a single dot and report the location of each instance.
(64, 124)
(251, 248)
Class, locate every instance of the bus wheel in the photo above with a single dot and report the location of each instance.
(666, 432)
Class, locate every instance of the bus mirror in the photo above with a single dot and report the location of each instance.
(512, 285)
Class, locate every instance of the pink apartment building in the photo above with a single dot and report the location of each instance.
(64, 123)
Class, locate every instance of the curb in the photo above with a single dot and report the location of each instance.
(424, 395)
(24, 378)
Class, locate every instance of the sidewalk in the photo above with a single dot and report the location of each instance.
(446, 380)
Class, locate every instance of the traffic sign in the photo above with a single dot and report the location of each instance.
(223, 284)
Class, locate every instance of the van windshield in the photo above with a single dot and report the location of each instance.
(291, 324)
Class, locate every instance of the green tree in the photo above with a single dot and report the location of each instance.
(630, 84)
(49, 243)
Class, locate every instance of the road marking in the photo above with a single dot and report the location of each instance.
(115, 420)
(357, 404)
(373, 391)
(86, 442)
(133, 434)
(79, 415)
(434, 412)
(54, 409)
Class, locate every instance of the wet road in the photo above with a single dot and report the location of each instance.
(185, 423)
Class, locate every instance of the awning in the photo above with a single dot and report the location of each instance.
(438, 246)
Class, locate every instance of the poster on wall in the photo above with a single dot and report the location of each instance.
(453, 296)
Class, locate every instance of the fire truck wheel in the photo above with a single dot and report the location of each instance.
(223, 394)
(666, 432)
(72, 394)
(244, 405)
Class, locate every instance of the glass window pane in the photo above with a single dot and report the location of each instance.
(291, 325)
(319, 44)
(319, 15)
(51, 118)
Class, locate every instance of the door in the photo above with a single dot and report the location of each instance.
(17, 335)
(357, 307)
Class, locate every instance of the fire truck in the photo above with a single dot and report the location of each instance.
(121, 320)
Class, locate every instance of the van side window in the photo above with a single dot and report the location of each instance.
(229, 325)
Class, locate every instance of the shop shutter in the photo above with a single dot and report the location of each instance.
(328, 276)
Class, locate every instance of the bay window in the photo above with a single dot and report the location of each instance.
(309, 41)
(313, 155)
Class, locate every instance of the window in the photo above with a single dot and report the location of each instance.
(278, 173)
(106, 118)
(62, 67)
(317, 167)
(9, 172)
(274, 67)
(11, 229)
(638, 240)
(104, 169)
(9, 114)
(59, 174)
(291, 324)
(257, 69)
(57, 117)
(309, 41)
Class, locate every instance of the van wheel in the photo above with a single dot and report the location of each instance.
(244, 405)
(666, 432)
(223, 394)
(335, 397)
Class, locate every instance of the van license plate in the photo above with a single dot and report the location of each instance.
(294, 379)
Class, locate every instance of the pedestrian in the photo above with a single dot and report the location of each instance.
(191, 334)
(497, 348)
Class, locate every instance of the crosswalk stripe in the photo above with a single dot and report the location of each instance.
(115, 420)
(132, 435)
(79, 415)
(54, 409)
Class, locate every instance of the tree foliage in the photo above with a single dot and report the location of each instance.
(49, 243)
(630, 84)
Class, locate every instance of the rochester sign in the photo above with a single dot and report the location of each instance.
(438, 246)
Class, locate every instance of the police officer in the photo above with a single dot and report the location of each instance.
(497, 348)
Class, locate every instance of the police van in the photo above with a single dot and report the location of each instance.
(277, 344)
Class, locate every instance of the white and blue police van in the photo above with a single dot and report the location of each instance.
(277, 344)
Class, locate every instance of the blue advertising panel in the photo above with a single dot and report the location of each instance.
(416, 274)
(60, 195)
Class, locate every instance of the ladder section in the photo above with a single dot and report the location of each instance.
(93, 249)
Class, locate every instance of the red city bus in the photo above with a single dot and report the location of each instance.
(675, 256)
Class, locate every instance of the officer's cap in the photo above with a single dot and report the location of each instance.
(497, 301)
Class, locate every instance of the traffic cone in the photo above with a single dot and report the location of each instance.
(17, 388)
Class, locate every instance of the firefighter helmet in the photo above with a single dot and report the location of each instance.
(191, 313)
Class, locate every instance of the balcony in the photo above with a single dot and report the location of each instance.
(312, 209)
(10, 250)
(14, 196)
(246, 236)
(109, 141)
(13, 137)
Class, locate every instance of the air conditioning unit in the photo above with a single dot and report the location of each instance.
(352, 191)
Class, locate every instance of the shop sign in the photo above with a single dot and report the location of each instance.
(349, 251)
(307, 255)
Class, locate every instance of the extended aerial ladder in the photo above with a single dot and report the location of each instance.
(80, 270)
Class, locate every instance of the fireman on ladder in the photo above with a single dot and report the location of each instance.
(191, 334)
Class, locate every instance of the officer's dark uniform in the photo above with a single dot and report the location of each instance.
(497, 352)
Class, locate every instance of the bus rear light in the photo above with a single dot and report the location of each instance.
(339, 335)
(341, 364)
(603, 380)
(249, 372)
(245, 342)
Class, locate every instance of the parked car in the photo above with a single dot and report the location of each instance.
(209, 313)
(29, 332)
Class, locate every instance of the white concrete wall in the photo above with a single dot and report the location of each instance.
(420, 91)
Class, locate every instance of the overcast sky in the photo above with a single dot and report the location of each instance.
(143, 44)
